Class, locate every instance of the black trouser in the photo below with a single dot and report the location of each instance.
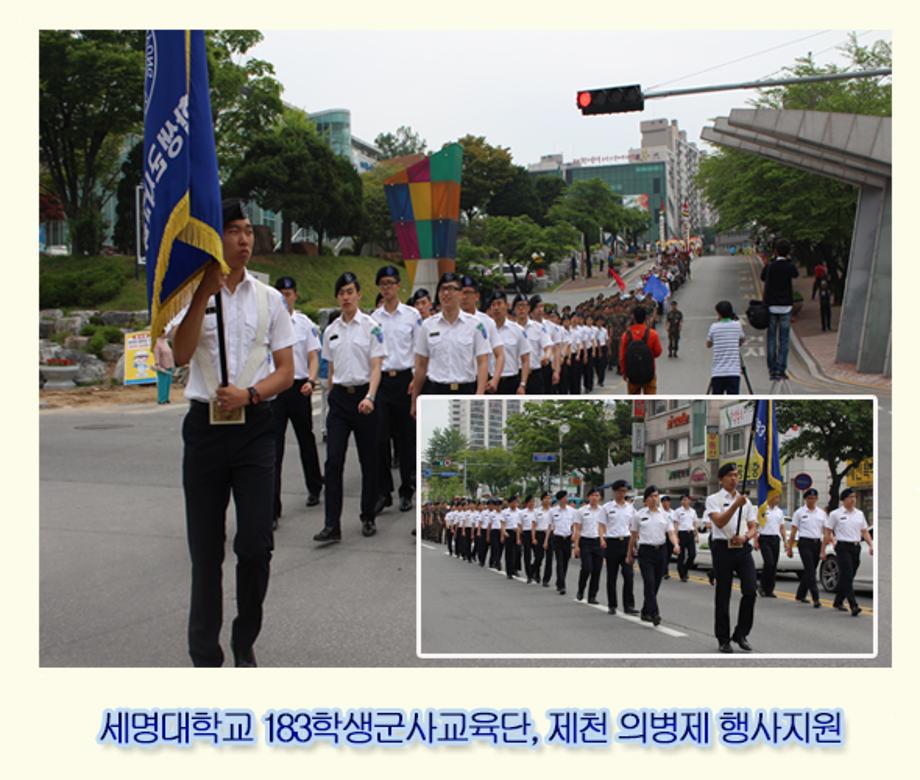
(727, 561)
(651, 558)
(482, 543)
(511, 554)
(527, 552)
(687, 553)
(592, 563)
(441, 388)
(725, 385)
(810, 553)
(548, 386)
(535, 384)
(848, 564)
(587, 369)
(825, 314)
(615, 554)
(216, 460)
(295, 406)
(393, 406)
(539, 554)
(562, 550)
(769, 550)
(600, 364)
(571, 384)
(343, 419)
(450, 540)
(508, 385)
(495, 549)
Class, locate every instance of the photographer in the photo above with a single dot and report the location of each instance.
(725, 338)
(777, 276)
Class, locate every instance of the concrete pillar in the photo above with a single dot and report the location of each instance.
(859, 267)
(876, 332)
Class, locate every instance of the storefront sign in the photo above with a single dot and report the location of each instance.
(861, 475)
(677, 420)
(699, 476)
(638, 438)
(712, 446)
(738, 415)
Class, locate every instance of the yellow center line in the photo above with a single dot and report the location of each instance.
(779, 594)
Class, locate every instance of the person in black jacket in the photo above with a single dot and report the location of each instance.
(777, 276)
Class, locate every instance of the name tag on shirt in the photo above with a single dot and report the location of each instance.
(333, 337)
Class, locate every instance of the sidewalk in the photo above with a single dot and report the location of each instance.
(819, 349)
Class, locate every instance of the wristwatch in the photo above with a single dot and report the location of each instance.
(371, 398)
(254, 396)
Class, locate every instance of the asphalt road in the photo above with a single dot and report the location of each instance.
(466, 609)
(115, 573)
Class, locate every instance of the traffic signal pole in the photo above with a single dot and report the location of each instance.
(771, 83)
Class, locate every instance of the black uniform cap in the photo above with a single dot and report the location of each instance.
(847, 493)
(545, 494)
(561, 494)
(497, 295)
(621, 484)
(648, 491)
(595, 490)
(727, 468)
(521, 298)
(390, 271)
(233, 209)
(665, 497)
(347, 278)
(469, 281)
(514, 497)
(811, 492)
(535, 301)
(449, 276)
(285, 283)
(420, 293)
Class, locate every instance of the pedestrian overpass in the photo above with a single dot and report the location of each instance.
(854, 149)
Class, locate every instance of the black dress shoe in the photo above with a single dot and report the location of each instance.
(742, 643)
(545, 584)
(611, 610)
(593, 601)
(580, 595)
(855, 611)
(244, 658)
(761, 593)
(804, 601)
(328, 536)
(405, 503)
(771, 595)
(666, 577)
(840, 607)
(725, 647)
(368, 528)
(645, 618)
(561, 591)
(630, 611)
(656, 620)
(382, 503)
(817, 605)
(685, 579)
(312, 499)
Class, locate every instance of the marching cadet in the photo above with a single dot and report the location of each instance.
(562, 515)
(566, 385)
(494, 535)
(542, 529)
(354, 347)
(767, 541)
(733, 519)
(470, 518)
(650, 532)
(552, 369)
(294, 404)
(451, 349)
(600, 363)
(400, 324)
(688, 534)
(469, 303)
(511, 536)
(672, 517)
(516, 371)
(420, 300)
(528, 519)
(588, 532)
(808, 525)
(540, 344)
(482, 532)
(618, 524)
(222, 458)
(844, 528)
(449, 528)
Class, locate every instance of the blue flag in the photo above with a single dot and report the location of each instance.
(766, 457)
(656, 288)
(183, 223)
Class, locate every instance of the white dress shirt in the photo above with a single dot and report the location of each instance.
(619, 518)
(718, 503)
(847, 526)
(810, 522)
(516, 346)
(400, 329)
(452, 349)
(307, 341)
(350, 346)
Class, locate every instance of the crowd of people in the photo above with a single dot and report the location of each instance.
(536, 538)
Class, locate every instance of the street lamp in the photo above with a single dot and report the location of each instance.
(563, 430)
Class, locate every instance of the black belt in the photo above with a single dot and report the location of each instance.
(852, 544)
(454, 386)
(617, 538)
(652, 546)
(396, 372)
(352, 389)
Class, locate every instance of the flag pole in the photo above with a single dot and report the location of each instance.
(747, 461)
(221, 346)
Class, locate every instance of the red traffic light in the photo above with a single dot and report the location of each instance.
(584, 99)
(610, 100)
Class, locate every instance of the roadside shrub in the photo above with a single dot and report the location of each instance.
(84, 288)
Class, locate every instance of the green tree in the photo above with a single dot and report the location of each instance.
(815, 213)
(404, 141)
(340, 211)
(518, 238)
(590, 206)
(245, 96)
(635, 223)
(125, 233)
(840, 433)
(517, 198)
(549, 189)
(486, 169)
(445, 443)
(596, 432)
(91, 86)
(492, 468)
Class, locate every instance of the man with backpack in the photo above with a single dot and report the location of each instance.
(638, 349)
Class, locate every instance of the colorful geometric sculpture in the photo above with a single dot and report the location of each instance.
(424, 201)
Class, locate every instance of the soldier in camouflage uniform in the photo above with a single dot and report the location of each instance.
(675, 319)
